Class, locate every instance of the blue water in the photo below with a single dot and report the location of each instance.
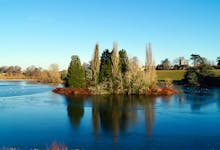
(31, 116)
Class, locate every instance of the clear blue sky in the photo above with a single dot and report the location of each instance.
(41, 32)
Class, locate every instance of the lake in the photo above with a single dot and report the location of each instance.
(34, 117)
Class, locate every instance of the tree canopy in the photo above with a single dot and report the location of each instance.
(95, 64)
(200, 74)
(75, 74)
(123, 61)
(105, 67)
(166, 65)
(218, 61)
(197, 60)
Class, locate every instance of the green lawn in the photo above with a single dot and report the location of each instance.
(170, 74)
(217, 72)
(176, 74)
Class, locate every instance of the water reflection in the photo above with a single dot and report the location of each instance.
(149, 115)
(124, 116)
(75, 109)
(182, 121)
(112, 114)
(200, 101)
(198, 98)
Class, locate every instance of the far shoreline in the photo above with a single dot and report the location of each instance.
(18, 80)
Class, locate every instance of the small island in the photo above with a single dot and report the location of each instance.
(114, 73)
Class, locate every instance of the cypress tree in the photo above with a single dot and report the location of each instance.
(116, 73)
(115, 61)
(76, 74)
(95, 64)
(150, 72)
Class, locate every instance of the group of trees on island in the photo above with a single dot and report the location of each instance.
(114, 73)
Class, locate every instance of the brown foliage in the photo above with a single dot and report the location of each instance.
(165, 91)
(56, 146)
(51, 76)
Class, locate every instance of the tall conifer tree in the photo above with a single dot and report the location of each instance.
(95, 64)
(76, 74)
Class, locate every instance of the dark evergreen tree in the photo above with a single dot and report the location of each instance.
(76, 74)
(200, 74)
(197, 60)
(218, 61)
(191, 77)
(105, 73)
(123, 61)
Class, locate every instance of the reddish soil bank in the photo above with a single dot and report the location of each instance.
(71, 91)
(161, 91)
(79, 91)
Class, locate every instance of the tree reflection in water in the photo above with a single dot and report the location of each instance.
(149, 114)
(113, 114)
(75, 109)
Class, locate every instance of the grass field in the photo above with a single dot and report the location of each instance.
(176, 74)
(170, 74)
(217, 72)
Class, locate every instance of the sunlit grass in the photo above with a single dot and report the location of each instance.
(177, 74)
(217, 72)
(170, 74)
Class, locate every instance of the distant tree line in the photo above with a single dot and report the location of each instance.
(182, 64)
(10, 70)
(178, 64)
(51, 75)
(200, 74)
(113, 72)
